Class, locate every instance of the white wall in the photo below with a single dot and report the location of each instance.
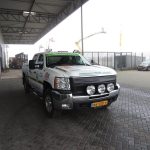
(1, 38)
(2, 53)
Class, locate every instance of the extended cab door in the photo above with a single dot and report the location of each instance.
(39, 74)
(32, 74)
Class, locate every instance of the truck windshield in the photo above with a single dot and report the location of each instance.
(145, 63)
(52, 61)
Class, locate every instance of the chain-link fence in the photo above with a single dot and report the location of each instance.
(116, 60)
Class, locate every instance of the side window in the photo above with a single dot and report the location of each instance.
(35, 57)
(40, 58)
(41, 61)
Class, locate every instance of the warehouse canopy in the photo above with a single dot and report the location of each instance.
(26, 21)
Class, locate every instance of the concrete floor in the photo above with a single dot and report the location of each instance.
(125, 125)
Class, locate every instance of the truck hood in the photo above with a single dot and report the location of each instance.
(85, 71)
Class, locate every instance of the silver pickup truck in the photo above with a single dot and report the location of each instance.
(67, 80)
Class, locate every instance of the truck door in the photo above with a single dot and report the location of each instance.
(32, 74)
(39, 74)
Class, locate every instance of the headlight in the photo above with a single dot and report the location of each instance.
(145, 65)
(62, 83)
(101, 88)
(110, 87)
(90, 89)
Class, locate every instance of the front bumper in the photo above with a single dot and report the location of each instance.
(68, 101)
(142, 68)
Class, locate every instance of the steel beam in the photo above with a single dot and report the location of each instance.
(17, 16)
(27, 18)
(70, 8)
(20, 29)
(48, 20)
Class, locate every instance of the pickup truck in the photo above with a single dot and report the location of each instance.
(67, 80)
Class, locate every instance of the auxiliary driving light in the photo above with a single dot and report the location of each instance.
(90, 89)
(101, 88)
(110, 87)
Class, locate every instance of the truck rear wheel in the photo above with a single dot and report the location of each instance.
(48, 103)
(26, 86)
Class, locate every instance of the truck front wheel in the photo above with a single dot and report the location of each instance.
(48, 103)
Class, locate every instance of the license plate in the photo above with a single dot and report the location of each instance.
(98, 104)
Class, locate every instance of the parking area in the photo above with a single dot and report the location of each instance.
(136, 79)
(125, 125)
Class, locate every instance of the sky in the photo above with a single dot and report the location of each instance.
(126, 23)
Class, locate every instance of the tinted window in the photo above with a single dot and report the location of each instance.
(52, 61)
(40, 58)
(35, 57)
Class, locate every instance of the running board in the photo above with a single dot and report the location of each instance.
(37, 94)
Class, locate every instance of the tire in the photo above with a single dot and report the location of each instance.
(148, 68)
(48, 103)
(26, 86)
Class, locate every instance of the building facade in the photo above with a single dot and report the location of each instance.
(17, 61)
(3, 54)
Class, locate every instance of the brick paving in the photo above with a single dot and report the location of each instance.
(125, 125)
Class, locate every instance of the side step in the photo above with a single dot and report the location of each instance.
(37, 94)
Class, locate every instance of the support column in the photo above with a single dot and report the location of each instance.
(82, 43)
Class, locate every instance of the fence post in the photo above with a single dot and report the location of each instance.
(107, 59)
(98, 58)
(114, 60)
(142, 56)
(126, 65)
(135, 60)
(131, 60)
(121, 61)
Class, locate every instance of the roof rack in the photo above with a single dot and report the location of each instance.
(76, 51)
(48, 50)
(62, 51)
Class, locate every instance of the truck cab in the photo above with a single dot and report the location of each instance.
(67, 80)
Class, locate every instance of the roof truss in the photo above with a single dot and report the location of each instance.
(19, 29)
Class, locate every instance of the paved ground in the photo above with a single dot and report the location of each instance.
(11, 74)
(24, 126)
(140, 79)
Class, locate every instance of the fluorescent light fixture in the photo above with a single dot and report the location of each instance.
(20, 32)
(27, 13)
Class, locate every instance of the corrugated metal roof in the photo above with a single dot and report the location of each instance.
(17, 28)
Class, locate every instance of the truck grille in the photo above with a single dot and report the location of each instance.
(79, 84)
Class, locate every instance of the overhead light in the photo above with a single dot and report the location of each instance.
(20, 32)
(27, 13)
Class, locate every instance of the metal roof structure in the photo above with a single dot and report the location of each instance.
(26, 21)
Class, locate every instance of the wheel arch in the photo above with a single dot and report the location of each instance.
(23, 77)
(46, 86)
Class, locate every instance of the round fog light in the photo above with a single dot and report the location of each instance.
(101, 88)
(90, 89)
(110, 87)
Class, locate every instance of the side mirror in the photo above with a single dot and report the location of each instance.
(31, 64)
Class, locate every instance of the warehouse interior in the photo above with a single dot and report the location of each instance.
(26, 21)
